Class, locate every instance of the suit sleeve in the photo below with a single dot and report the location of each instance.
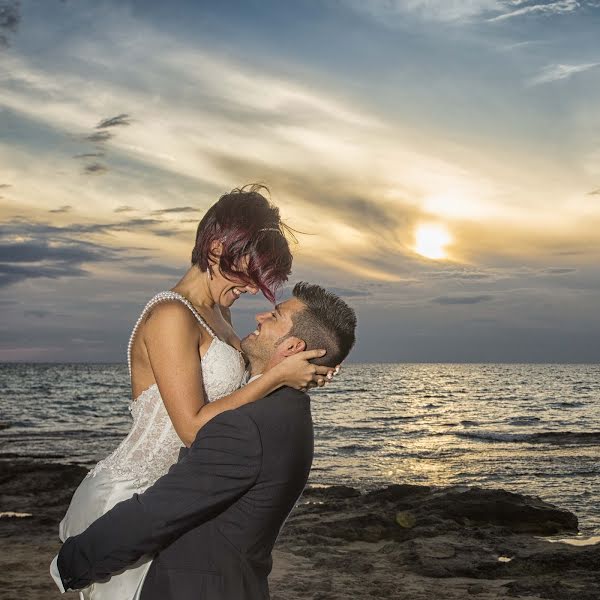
(222, 464)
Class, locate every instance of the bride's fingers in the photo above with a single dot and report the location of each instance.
(310, 354)
(321, 370)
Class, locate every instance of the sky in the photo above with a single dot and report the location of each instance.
(442, 158)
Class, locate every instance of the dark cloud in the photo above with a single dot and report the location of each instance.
(54, 252)
(177, 209)
(460, 274)
(10, 274)
(119, 120)
(166, 232)
(62, 209)
(447, 300)
(347, 292)
(10, 17)
(40, 314)
(99, 136)
(95, 169)
(89, 155)
(594, 192)
(559, 270)
(69, 233)
(38, 251)
(123, 209)
(5, 185)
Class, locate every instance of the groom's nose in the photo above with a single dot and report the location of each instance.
(260, 317)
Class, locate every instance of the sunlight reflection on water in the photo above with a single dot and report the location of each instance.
(525, 428)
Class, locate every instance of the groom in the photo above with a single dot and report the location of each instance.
(212, 521)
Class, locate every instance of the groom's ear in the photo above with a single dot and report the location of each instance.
(293, 345)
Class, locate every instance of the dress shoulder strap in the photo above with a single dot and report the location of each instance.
(162, 297)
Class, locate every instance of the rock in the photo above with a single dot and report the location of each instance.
(334, 491)
(517, 512)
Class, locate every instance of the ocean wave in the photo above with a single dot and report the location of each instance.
(560, 438)
(522, 421)
(565, 404)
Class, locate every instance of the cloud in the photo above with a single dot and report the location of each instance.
(449, 300)
(11, 274)
(20, 228)
(5, 185)
(53, 259)
(331, 195)
(62, 209)
(95, 169)
(10, 17)
(89, 155)
(433, 10)
(594, 192)
(154, 269)
(394, 12)
(99, 136)
(40, 314)
(557, 72)
(551, 8)
(41, 250)
(124, 209)
(177, 209)
(463, 274)
(119, 120)
(347, 292)
(559, 270)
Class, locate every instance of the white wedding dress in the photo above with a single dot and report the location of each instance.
(146, 454)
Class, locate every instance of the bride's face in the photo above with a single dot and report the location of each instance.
(225, 290)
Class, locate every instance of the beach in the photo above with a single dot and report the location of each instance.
(406, 542)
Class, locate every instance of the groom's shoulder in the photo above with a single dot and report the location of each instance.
(284, 395)
(283, 402)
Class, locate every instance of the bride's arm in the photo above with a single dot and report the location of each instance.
(172, 339)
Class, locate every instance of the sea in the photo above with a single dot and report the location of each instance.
(528, 428)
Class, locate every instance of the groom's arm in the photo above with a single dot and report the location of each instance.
(222, 464)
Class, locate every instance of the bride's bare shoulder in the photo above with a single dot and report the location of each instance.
(171, 316)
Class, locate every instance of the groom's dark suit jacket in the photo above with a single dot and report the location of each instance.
(213, 519)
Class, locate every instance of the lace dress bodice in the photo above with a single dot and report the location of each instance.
(152, 445)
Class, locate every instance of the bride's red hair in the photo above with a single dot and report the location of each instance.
(247, 225)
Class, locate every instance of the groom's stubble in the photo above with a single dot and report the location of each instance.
(268, 348)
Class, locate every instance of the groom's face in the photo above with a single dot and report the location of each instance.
(269, 343)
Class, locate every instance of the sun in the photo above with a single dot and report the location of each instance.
(431, 240)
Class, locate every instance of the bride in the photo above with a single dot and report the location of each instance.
(186, 365)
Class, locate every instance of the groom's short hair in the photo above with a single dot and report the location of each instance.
(327, 322)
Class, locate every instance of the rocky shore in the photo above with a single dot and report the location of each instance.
(402, 542)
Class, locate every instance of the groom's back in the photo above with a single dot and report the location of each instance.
(229, 557)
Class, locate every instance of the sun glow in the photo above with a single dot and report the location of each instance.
(431, 240)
